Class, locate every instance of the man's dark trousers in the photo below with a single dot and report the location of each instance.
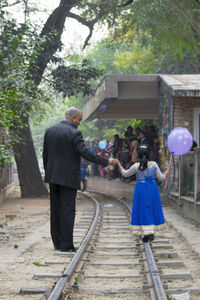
(62, 209)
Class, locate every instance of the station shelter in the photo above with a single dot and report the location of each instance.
(173, 100)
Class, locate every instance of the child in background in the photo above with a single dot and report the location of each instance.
(84, 167)
(101, 169)
(147, 213)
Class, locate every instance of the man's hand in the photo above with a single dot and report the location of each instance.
(112, 161)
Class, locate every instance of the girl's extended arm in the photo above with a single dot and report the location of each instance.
(159, 174)
(126, 173)
(119, 165)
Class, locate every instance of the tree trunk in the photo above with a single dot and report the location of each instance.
(30, 179)
(25, 156)
(27, 165)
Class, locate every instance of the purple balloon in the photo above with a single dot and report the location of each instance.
(179, 141)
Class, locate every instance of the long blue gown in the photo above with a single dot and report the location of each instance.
(147, 213)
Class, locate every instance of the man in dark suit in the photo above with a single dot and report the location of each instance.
(63, 148)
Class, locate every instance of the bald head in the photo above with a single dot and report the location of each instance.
(71, 112)
(74, 116)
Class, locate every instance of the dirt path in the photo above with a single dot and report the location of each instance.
(25, 236)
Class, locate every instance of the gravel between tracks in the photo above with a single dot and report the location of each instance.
(25, 239)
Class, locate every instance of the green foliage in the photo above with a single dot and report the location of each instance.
(38, 264)
(51, 114)
(169, 65)
(5, 157)
(198, 196)
(168, 27)
(12, 75)
(76, 279)
(105, 53)
(147, 37)
(122, 124)
(138, 60)
(74, 80)
(18, 92)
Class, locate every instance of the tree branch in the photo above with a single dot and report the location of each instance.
(52, 28)
(82, 20)
(128, 2)
(51, 81)
(89, 24)
(198, 1)
(16, 2)
(88, 38)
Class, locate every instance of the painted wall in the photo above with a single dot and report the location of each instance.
(184, 112)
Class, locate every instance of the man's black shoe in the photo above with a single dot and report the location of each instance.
(74, 249)
(145, 238)
(151, 237)
(56, 248)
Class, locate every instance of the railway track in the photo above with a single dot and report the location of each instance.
(110, 262)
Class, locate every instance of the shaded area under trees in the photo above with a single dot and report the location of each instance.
(161, 27)
(50, 41)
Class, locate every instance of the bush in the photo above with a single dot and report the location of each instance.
(5, 157)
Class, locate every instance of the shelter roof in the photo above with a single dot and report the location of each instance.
(185, 85)
(124, 96)
(136, 96)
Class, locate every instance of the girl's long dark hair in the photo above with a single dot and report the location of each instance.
(143, 163)
(144, 154)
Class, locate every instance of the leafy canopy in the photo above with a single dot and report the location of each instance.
(74, 79)
(167, 26)
(17, 92)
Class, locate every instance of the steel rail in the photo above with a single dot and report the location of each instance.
(160, 293)
(55, 294)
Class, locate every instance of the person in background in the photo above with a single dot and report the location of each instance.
(129, 133)
(156, 150)
(152, 134)
(145, 129)
(119, 156)
(134, 157)
(93, 166)
(87, 144)
(84, 169)
(147, 214)
(194, 145)
(126, 149)
(62, 151)
(92, 146)
(134, 145)
(115, 147)
(102, 169)
(108, 145)
(142, 138)
(137, 132)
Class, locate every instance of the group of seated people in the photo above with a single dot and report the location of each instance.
(125, 150)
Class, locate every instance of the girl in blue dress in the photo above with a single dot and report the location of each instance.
(147, 214)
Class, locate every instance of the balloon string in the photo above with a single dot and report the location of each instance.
(168, 170)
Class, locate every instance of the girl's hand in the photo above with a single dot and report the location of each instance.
(166, 173)
(119, 164)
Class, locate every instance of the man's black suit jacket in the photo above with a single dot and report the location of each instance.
(62, 151)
